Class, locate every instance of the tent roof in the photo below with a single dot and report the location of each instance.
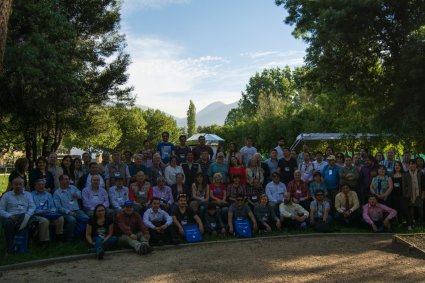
(329, 136)
(208, 137)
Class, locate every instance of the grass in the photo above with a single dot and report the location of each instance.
(37, 252)
(4, 180)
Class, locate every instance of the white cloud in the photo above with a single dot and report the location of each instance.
(262, 54)
(131, 6)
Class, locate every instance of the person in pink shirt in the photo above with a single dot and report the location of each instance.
(378, 215)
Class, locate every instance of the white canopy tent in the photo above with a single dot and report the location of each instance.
(329, 136)
(209, 138)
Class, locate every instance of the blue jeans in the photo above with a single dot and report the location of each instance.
(71, 222)
(100, 243)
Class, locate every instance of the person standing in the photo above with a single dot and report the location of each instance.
(165, 148)
(248, 151)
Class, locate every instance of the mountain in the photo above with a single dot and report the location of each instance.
(214, 113)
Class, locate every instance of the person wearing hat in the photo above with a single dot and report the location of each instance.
(46, 212)
(330, 175)
(131, 230)
(118, 194)
(219, 166)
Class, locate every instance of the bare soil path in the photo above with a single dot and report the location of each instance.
(331, 258)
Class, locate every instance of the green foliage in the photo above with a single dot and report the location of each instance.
(191, 119)
(157, 122)
(62, 58)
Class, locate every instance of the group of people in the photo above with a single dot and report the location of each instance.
(152, 197)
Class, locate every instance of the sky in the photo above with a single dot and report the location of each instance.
(203, 50)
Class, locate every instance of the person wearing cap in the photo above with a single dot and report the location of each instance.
(330, 175)
(292, 214)
(16, 210)
(286, 167)
(66, 201)
(219, 166)
(118, 194)
(46, 212)
(184, 215)
(159, 223)
(116, 167)
(131, 230)
(94, 195)
(240, 210)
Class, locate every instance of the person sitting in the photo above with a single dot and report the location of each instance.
(235, 188)
(85, 180)
(319, 210)
(346, 205)
(292, 214)
(46, 211)
(180, 187)
(213, 222)
(200, 194)
(159, 223)
(218, 195)
(171, 171)
(164, 193)
(239, 211)
(220, 166)
(184, 215)
(317, 184)
(253, 193)
(41, 172)
(139, 192)
(299, 190)
(266, 215)
(131, 229)
(118, 194)
(16, 211)
(378, 215)
(94, 195)
(382, 185)
(66, 201)
(275, 191)
(100, 231)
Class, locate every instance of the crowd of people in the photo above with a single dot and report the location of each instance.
(152, 197)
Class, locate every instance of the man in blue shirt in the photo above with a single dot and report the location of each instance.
(330, 174)
(45, 210)
(16, 210)
(66, 201)
(165, 148)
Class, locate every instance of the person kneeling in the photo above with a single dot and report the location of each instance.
(240, 212)
(346, 206)
(132, 231)
(292, 214)
(266, 215)
(212, 221)
(184, 216)
(159, 224)
(99, 231)
(378, 215)
(319, 213)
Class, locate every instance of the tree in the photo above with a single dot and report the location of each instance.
(359, 49)
(191, 119)
(5, 11)
(157, 122)
(56, 68)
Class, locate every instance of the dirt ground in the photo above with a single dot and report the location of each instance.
(332, 258)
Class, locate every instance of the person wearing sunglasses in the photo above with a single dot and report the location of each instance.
(240, 210)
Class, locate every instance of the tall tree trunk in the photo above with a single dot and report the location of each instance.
(5, 11)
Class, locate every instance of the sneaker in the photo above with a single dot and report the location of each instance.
(100, 253)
